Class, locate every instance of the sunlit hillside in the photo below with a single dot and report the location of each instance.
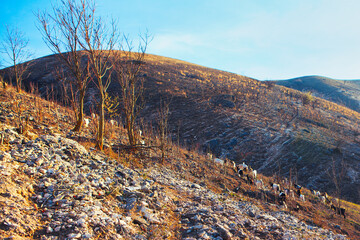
(55, 185)
(275, 129)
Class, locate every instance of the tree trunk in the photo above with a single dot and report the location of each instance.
(80, 116)
(130, 130)
(17, 79)
(100, 136)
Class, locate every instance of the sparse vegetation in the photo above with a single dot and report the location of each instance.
(61, 31)
(15, 46)
(272, 128)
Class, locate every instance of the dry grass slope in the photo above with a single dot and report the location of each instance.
(37, 117)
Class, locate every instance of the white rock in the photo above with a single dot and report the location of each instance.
(87, 235)
(49, 229)
(74, 235)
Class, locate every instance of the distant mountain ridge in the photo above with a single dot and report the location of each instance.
(343, 92)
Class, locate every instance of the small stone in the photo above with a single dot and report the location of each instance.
(74, 235)
(140, 221)
(224, 233)
(49, 229)
(87, 235)
(251, 213)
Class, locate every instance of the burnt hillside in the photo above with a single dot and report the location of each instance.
(275, 129)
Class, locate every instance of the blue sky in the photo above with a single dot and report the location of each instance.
(263, 39)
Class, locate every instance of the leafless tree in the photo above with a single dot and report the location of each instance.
(15, 47)
(68, 94)
(163, 117)
(128, 65)
(337, 172)
(99, 42)
(61, 31)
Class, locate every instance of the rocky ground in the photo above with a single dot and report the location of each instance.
(54, 188)
(53, 185)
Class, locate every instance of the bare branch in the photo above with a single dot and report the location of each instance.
(61, 31)
(15, 47)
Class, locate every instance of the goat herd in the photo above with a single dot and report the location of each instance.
(249, 175)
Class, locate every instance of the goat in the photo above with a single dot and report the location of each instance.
(253, 174)
(219, 161)
(316, 193)
(298, 189)
(338, 210)
(326, 196)
(234, 165)
(289, 192)
(86, 122)
(243, 166)
(210, 156)
(249, 179)
(113, 123)
(275, 187)
(282, 198)
(93, 115)
(292, 195)
(334, 201)
(302, 197)
(259, 184)
(323, 199)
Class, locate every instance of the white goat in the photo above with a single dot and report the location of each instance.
(234, 165)
(275, 187)
(219, 161)
(302, 197)
(244, 166)
(253, 174)
(113, 123)
(86, 122)
(259, 184)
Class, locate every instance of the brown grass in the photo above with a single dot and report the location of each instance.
(193, 165)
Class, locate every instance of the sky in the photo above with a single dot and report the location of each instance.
(262, 39)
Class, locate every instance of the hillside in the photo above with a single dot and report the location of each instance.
(275, 129)
(54, 185)
(343, 92)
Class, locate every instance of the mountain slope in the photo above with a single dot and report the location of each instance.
(344, 92)
(54, 185)
(270, 127)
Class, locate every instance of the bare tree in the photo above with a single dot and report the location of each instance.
(68, 94)
(337, 172)
(128, 65)
(99, 41)
(15, 47)
(163, 115)
(61, 31)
